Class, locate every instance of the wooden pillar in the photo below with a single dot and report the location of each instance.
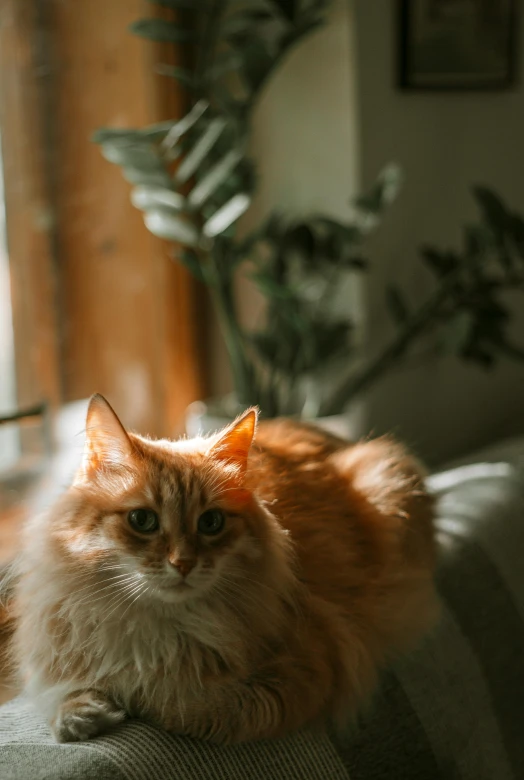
(129, 310)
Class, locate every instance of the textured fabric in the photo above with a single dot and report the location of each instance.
(140, 752)
(450, 711)
(453, 709)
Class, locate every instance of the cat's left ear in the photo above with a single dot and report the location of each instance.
(107, 443)
(234, 443)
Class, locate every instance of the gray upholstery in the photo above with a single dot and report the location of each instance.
(451, 710)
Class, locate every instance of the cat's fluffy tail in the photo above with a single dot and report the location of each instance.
(383, 471)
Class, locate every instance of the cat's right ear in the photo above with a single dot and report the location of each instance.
(107, 443)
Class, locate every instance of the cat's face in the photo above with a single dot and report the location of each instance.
(171, 518)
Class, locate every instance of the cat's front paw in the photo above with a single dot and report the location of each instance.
(85, 715)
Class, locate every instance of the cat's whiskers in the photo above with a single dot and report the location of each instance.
(104, 580)
(96, 583)
(122, 600)
(142, 592)
(130, 580)
(117, 589)
(88, 573)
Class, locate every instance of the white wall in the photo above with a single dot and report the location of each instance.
(329, 122)
(445, 142)
(305, 140)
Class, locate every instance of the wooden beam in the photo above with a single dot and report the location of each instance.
(129, 310)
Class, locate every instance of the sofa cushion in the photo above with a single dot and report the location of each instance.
(450, 710)
(453, 709)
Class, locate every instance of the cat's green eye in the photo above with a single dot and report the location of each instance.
(145, 521)
(211, 522)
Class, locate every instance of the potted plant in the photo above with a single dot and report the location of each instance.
(194, 179)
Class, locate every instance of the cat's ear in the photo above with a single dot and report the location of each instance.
(233, 444)
(107, 443)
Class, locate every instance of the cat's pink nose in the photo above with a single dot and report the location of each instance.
(182, 565)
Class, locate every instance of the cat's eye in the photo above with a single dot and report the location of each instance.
(211, 522)
(145, 521)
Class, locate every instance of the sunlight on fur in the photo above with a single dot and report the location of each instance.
(230, 588)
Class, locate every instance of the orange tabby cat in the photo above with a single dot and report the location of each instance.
(220, 587)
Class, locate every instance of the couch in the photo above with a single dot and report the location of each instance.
(451, 710)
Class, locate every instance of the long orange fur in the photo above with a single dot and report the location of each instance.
(322, 574)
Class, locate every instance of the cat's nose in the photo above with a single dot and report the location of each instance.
(182, 565)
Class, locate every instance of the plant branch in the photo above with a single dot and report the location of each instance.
(209, 40)
(221, 291)
(415, 325)
(513, 351)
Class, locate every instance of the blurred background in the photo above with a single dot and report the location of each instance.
(91, 300)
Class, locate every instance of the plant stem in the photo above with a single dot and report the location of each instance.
(510, 350)
(221, 290)
(416, 324)
(208, 43)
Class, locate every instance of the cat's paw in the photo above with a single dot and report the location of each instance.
(84, 716)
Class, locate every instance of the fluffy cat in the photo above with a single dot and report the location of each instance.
(221, 587)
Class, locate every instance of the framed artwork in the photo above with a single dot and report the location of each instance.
(457, 44)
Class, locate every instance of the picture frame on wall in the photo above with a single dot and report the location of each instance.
(457, 44)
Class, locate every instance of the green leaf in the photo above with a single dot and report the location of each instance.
(442, 262)
(356, 263)
(287, 7)
(266, 346)
(303, 344)
(481, 355)
(151, 178)
(382, 193)
(147, 198)
(336, 242)
(144, 136)
(271, 288)
(247, 20)
(225, 62)
(274, 227)
(349, 235)
(457, 331)
(167, 224)
(305, 29)
(116, 135)
(300, 240)
(160, 30)
(493, 208)
(139, 156)
(182, 75)
(190, 259)
(200, 150)
(478, 239)
(517, 232)
(188, 5)
(499, 219)
(214, 178)
(397, 305)
(227, 215)
(257, 62)
(330, 341)
(180, 128)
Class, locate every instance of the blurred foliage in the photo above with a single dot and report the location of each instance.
(193, 179)
(468, 313)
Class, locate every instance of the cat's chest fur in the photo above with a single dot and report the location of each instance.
(156, 655)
